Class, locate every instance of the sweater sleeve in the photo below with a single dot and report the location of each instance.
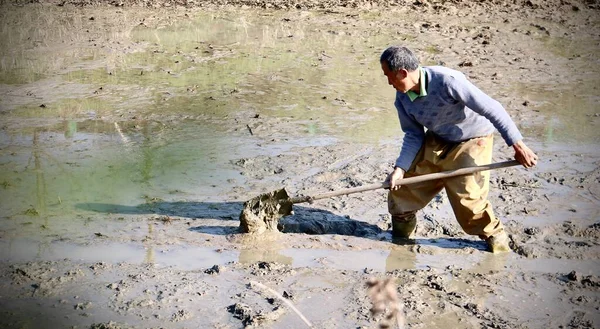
(414, 134)
(464, 91)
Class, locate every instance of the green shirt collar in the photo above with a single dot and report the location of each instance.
(423, 92)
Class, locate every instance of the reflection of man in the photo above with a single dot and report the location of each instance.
(401, 259)
(405, 258)
(460, 120)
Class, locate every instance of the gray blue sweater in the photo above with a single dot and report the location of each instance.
(454, 109)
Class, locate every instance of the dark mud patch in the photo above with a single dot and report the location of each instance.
(318, 221)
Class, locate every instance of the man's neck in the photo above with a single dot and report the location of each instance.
(414, 78)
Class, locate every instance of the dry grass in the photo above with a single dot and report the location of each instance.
(384, 297)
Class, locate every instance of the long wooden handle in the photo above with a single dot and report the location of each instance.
(406, 181)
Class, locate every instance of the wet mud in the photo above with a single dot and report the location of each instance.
(262, 213)
(135, 137)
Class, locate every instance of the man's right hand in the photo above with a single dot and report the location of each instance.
(525, 155)
(395, 175)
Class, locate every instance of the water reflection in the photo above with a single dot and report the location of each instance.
(70, 128)
(400, 259)
(266, 247)
(76, 162)
(403, 253)
(40, 182)
(149, 257)
(255, 255)
(147, 154)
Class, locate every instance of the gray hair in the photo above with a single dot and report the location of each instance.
(398, 58)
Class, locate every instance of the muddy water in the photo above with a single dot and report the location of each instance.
(132, 136)
(222, 63)
(94, 161)
(155, 123)
(209, 67)
(565, 114)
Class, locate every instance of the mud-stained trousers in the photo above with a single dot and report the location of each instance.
(467, 194)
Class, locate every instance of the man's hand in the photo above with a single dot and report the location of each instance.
(524, 155)
(395, 175)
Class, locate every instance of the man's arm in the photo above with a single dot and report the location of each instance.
(414, 134)
(467, 93)
(481, 103)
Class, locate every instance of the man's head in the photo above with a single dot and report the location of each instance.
(400, 66)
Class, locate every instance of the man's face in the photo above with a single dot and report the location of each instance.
(395, 79)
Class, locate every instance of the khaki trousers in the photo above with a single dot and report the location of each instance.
(467, 194)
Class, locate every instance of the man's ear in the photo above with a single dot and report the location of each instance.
(401, 74)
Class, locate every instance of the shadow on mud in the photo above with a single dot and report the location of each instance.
(451, 243)
(191, 210)
(304, 220)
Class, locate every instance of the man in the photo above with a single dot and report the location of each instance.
(448, 124)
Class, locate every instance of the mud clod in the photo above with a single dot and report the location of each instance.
(263, 212)
(572, 276)
(216, 269)
(243, 312)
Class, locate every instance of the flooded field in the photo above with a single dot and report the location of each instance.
(130, 138)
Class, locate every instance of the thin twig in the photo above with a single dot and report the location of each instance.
(286, 301)
(124, 138)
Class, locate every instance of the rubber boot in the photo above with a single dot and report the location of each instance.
(498, 243)
(403, 226)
